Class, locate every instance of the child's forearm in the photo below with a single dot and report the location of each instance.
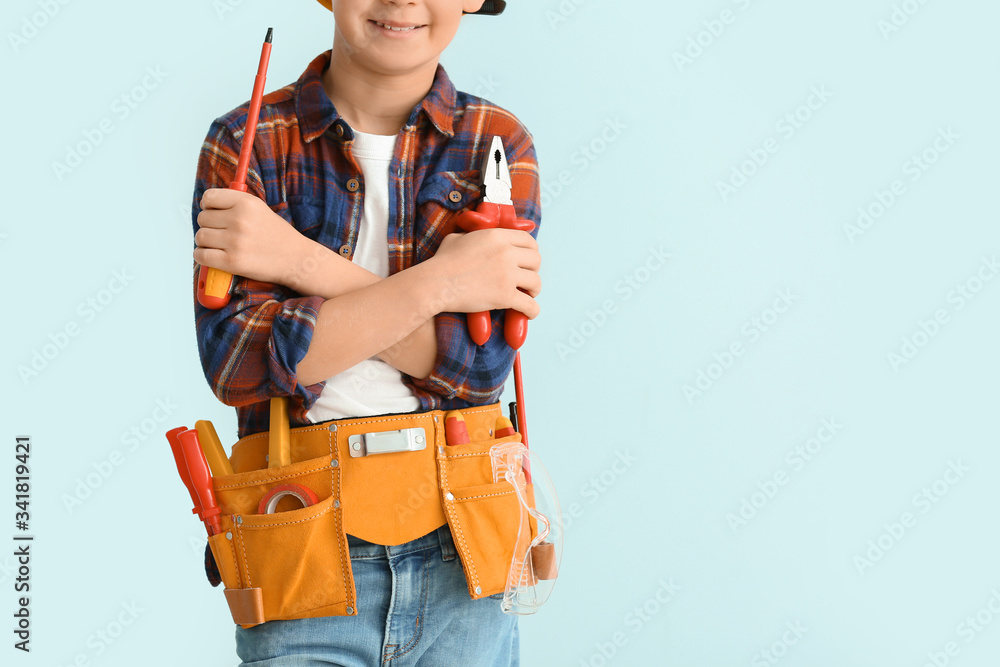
(325, 273)
(414, 355)
(367, 321)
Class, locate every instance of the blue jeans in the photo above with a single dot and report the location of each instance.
(414, 609)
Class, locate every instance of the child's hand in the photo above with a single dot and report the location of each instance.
(489, 269)
(240, 234)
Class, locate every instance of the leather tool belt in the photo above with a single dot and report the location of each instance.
(388, 480)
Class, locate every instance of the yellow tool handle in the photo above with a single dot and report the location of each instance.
(279, 442)
(218, 462)
(217, 285)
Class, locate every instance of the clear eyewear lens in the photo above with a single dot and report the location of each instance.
(530, 581)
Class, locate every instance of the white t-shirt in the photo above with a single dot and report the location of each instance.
(372, 387)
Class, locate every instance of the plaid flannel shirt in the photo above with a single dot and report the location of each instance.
(301, 165)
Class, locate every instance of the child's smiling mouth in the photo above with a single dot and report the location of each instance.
(394, 28)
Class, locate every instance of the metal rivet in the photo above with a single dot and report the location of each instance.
(440, 450)
(478, 590)
(239, 519)
(336, 503)
(435, 417)
(491, 433)
(350, 611)
(334, 463)
(229, 536)
(333, 428)
(449, 496)
(356, 446)
(419, 439)
(267, 457)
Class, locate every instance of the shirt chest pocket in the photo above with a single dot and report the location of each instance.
(311, 217)
(442, 196)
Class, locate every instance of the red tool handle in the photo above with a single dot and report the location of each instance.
(175, 447)
(214, 285)
(489, 215)
(201, 478)
(456, 431)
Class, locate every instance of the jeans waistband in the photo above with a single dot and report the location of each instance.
(437, 538)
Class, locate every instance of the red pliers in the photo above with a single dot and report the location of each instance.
(496, 210)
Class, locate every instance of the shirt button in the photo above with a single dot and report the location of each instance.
(353, 185)
(338, 129)
(455, 196)
(345, 250)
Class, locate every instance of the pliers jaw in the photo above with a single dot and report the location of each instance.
(496, 175)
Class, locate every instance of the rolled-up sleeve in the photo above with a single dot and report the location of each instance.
(250, 349)
(465, 373)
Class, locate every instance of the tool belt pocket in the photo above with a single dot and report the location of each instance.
(292, 563)
(483, 513)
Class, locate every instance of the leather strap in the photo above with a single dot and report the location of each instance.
(246, 605)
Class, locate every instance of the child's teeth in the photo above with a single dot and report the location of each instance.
(396, 29)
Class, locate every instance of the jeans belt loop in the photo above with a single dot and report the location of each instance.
(448, 551)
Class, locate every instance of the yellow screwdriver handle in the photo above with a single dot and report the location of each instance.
(218, 462)
(279, 442)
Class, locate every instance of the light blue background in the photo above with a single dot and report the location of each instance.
(582, 75)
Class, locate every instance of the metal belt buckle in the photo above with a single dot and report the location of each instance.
(386, 442)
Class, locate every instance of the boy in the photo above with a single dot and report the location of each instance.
(370, 155)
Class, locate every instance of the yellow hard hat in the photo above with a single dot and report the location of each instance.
(491, 7)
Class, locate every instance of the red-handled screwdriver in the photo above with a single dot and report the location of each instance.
(182, 470)
(193, 469)
(214, 284)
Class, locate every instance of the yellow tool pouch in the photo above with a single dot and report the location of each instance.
(483, 514)
(388, 480)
